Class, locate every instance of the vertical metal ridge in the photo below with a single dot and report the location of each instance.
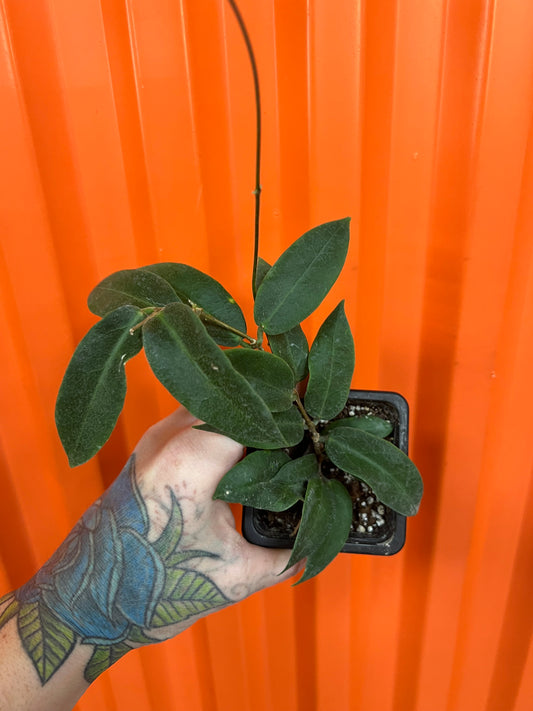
(126, 139)
(125, 67)
(211, 127)
(516, 622)
(292, 96)
(379, 46)
(442, 306)
(490, 576)
(44, 106)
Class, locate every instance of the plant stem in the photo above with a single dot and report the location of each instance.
(257, 190)
(315, 436)
(155, 310)
(207, 318)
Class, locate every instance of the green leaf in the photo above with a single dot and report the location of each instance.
(270, 376)
(103, 657)
(200, 376)
(10, 610)
(290, 425)
(261, 272)
(372, 424)
(278, 493)
(324, 527)
(47, 640)
(331, 364)
(94, 386)
(386, 469)
(192, 285)
(209, 428)
(132, 287)
(292, 346)
(301, 277)
(187, 593)
(252, 482)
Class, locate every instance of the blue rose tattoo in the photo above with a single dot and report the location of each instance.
(108, 586)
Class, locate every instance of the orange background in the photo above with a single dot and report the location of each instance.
(127, 138)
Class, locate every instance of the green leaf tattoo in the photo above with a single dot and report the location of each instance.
(10, 610)
(103, 657)
(47, 640)
(187, 593)
(107, 585)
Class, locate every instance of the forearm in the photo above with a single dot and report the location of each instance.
(20, 686)
(148, 559)
(108, 589)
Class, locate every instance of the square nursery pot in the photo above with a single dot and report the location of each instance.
(385, 534)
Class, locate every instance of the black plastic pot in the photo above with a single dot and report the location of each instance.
(387, 539)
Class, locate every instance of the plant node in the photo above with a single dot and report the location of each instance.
(153, 312)
(313, 432)
(207, 318)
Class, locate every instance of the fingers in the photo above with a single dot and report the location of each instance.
(267, 566)
(204, 454)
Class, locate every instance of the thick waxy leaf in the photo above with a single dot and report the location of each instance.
(385, 468)
(270, 376)
(200, 376)
(267, 480)
(372, 424)
(331, 364)
(294, 475)
(102, 658)
(262, 269)
(209, 428)
(292, 346)
(187, 593)
(290, 425)
(325, 525)
(94, 386)
(130, 286)
(249, 482)
(301, 277)
(192, 285)
(47, 641)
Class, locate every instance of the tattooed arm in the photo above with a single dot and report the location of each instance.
(150, 557)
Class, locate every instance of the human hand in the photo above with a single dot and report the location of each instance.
(150, 557)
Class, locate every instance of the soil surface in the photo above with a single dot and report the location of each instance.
(372, 521)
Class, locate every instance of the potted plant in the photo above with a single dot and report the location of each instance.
(284, 401)
(376, 529)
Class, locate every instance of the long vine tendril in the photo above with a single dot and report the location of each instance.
(257, 189)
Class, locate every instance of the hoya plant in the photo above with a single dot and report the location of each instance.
(264, 388)
(267, 389)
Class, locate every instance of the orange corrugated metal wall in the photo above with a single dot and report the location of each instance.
(127, 137)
